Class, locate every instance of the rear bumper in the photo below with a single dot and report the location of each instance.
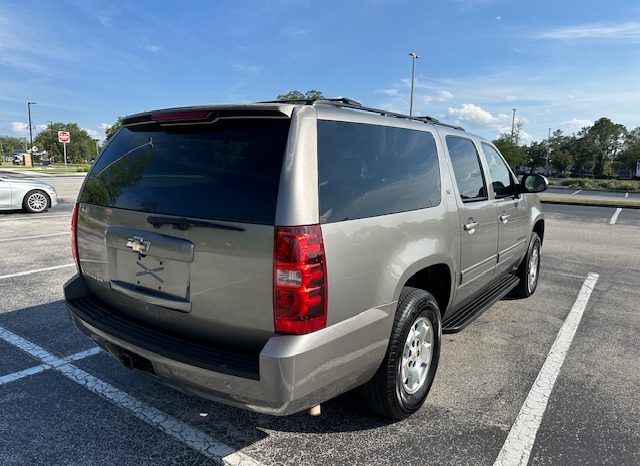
(291, 372)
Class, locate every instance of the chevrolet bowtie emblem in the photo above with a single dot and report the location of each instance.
(138, 244)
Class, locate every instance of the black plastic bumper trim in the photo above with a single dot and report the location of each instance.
(162, 342)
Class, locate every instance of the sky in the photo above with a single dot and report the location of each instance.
(561, 64)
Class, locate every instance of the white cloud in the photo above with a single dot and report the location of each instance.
(92, 132)
(576, 123)
(393, 91)
(498, 18)
(152, 48)
(479, 118)
(19, 127)
(474, 114)
(441, 96)
(508, 97)
(624, 31)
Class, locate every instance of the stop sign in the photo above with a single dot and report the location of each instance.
(64, 136)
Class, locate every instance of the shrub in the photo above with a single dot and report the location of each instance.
(625, 185)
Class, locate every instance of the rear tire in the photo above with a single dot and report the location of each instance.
(529, 270)
(36, 201)
(403, 380)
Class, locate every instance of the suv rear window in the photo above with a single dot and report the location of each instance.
(369, 170)
(226, 171)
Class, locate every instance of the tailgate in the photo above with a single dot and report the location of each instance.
(175, 228)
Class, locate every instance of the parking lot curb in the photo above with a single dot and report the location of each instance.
(590, 204)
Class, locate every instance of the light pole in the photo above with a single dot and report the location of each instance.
(513, 124)
(29, 104)
(546, 168)
(414, 56)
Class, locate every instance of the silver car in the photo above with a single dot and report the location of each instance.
(274, 255)
(29, 195)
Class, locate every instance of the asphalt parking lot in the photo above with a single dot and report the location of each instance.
(64, 402)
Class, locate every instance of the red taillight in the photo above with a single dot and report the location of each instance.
(74, 237)
(300, 280)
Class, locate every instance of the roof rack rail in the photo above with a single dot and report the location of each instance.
(346, 102)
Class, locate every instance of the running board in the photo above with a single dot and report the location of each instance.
(467, 314)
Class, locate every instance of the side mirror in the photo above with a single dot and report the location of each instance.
(533, 184)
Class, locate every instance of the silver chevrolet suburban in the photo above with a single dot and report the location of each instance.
(274, 255)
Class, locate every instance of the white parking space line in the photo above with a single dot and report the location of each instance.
(35, 217)
(29, 272)
(43, 367)
(517, 447)
(177, 429)
(574, 193)
(23, 373)
(614, 217)
(35, 237)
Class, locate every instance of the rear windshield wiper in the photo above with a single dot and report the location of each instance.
(182, 223)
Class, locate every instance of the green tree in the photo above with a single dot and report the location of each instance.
(607, 139)
(583, 152)
(561, 160)
(297, 95)
(560, 151)
(111, 130)
(536, 155)
(630, 154)
(8, 144)
(81, 148)
(514, 154)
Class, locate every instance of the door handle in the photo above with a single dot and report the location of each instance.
(504, 218)
(470, 227)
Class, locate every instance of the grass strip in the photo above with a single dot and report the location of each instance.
(627, 203)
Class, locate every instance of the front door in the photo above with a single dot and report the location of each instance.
(510, 211)
(478, 222)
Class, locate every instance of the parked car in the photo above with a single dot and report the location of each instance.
(274, 255)
(31, 196)
(18, 159)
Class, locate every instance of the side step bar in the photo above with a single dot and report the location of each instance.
(467, 314)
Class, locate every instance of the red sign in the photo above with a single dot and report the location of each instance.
(64, 136)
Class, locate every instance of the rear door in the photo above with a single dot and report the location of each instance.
(478, 223)
(176, 226)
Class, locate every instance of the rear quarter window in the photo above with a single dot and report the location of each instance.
(369, 170)
(226, 171)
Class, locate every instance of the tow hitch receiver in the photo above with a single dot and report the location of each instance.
(134, 361)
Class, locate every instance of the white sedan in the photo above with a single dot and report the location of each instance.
(32, 196)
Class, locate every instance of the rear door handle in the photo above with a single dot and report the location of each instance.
(504, 218)
(470, 227)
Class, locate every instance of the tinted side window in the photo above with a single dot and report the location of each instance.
(467, 168)
(368, 170)
(226, 171)
(498, 172)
